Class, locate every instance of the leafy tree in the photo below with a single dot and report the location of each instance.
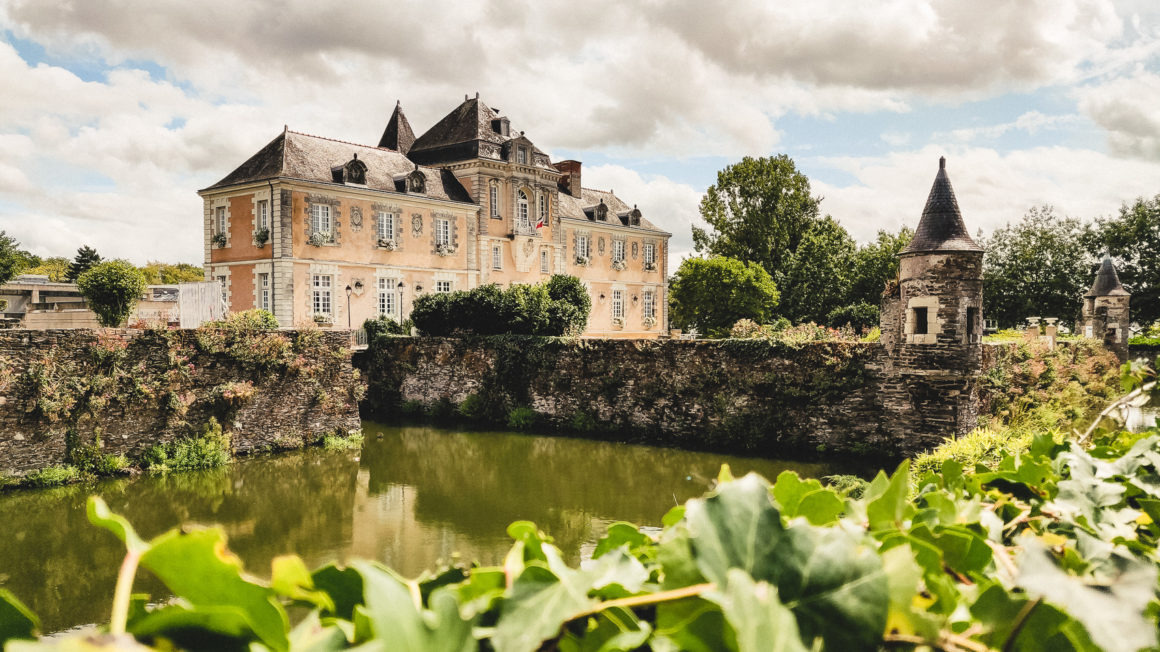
(111, 290)
(557, 307)
(12, 259)
(1037, 266)
(55, 268)
(758, 211)
(571, 305)
(86, 257)
(859, 316)
(1133, 239)
(714, 293)
(171, 274)
(817, 278)
(875, 264)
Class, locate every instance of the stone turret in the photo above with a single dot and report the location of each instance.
(932, 322)
(1105, 310)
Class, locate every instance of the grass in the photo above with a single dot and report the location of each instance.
(208, 450)
(339, 442)
(52, 476)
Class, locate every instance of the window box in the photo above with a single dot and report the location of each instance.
(319, 238)
(218, 240)
(619, 265)
(649, 322)
(618, 322)
(583, 261)
(389, 245)
(650, 266)
(444, 249)
(323, 320)
(261, 237)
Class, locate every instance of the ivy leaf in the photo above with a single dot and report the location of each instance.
(833, 583)
(311, 635)
(189, 626)
(290, 578)
(622, 534)
(344, 587)
(691, 625)
(1044, 627)
(16, 620)
(796, 497)
(1113, 611)
(616, 574)
(543, 598)
(198, 567)
(760, 622)
(391, 612)
(888, 505)
(612, 630)
(100, 515)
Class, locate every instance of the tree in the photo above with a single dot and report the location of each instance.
(1038, 266)
(86, 257)
(860, 316)
(55, 268)
(817, 278)
(875, 264)
(758, 211)
(171, 274)
(571, 304)
(714, 293)
(1133, 240)
(12, 259)
(111, 290)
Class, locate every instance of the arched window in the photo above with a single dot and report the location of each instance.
(522, 210)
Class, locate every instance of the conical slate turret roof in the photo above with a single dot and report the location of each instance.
(941, 227)
(1107, 281)
(398, 135)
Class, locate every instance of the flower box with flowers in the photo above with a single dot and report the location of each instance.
(322, 318)
(650, 266)
(319, 238)
(649, 322)
(388, 244)
(444, 249)
(619, 265)
(261, 237)
(219, 240)
(618, 322)
(583, 260)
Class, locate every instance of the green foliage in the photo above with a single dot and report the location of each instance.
(1144, 340)
(340, 442)
(817, 277)
(859, 316)
(12, 259)
(253, 320)
(582, 422)
(875, 264)
(412, 408)
(210, 449)
(52, 476)
(472, 407)
(111, 290)
(383, 325)
(54, 267)
(1037, 266)
(86, 259)
(158, 273)
(490, 310)
(1132, 238)
(1052, 549)
(713, 294)
(521, 418)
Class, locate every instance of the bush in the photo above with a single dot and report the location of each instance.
(339, 442)
(521, 418)
(52, 476)
(582, 422)
(210, 449)
(382, 326)
(712, 294)
(519, 309)
(247, 320)
(111, 290)
(859, 316)
(472, 407)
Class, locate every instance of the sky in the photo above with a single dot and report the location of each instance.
(113, 113)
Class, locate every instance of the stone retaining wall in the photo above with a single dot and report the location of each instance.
(122, 391)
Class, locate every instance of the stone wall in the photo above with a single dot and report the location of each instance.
(124, 391)
(747, 396)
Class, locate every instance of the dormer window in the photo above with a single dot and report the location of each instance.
(602, 212)
(417, 182)
(522, 155)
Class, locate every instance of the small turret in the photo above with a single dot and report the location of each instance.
(398, 135)
(1106, 310)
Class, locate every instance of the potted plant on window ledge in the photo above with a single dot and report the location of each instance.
(444, 249)
(618, 322)
(619, 265)
(649, 322)
(219, 240)
(388, 243)
(323, 319)
(261, 237)
(583, 261)
(319, 238)
(650, 266)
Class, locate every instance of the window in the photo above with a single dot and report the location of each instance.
(522, 210)
(650, 253)
(522, 155)
(618, 250)
(320, 219)
(442, 286)
(920, 323)
(582, 246)
(320, 299)
(225, 293)
(972, 327)
(495, 201)
(387, 297)
(386, 226)
(263, 214)
(443, 232)
(220, 222)
(496, 257)
(264, 291)
(618, 304)
(544, 261)
(544, 209)
(648, 304)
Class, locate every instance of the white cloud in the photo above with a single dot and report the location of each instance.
(1129, 109)
(1030, 122)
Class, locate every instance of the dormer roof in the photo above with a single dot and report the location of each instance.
(941, 227)
(1107, 282)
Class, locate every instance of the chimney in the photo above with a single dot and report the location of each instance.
(570, 182)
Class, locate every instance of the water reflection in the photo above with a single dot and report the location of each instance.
(412, 496)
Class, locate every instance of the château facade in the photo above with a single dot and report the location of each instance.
(322, 231)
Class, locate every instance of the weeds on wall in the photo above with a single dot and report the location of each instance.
(209, 449)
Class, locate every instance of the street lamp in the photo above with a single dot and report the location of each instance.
(348, 290)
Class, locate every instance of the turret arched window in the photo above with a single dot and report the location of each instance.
(522, 210)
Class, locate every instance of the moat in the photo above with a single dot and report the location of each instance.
(412, 496)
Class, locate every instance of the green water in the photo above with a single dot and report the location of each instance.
(411, 497)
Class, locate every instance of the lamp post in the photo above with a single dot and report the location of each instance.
(348, 290)
(400, 304)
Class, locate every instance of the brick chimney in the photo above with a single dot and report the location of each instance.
(570, 182)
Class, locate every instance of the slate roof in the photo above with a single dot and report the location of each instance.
(1107, 281)
(579, 207)
(471, 120)
(941, 227)
(310, 158)
(398, 134)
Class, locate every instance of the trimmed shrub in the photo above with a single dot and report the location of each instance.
(247, 320)
(382, 326)
(111, 290)
(491, 310)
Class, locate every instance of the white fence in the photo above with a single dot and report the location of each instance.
(200, 302)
